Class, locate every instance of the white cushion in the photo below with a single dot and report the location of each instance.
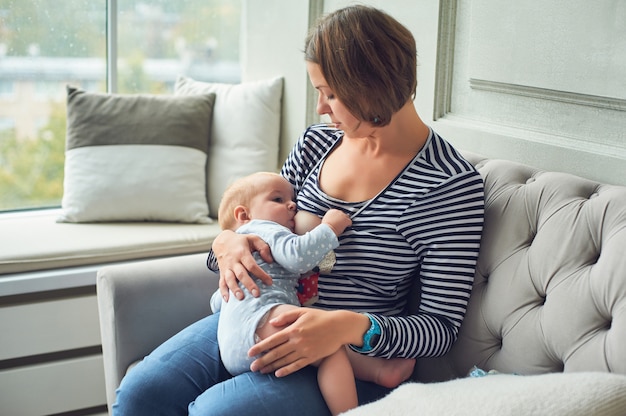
(245, 131)
(36, 241)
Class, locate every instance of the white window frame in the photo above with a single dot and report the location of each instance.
(111, 50)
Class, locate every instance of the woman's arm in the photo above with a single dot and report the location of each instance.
(446, 234)
(308, 335)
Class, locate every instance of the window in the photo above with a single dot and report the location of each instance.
(47, 45)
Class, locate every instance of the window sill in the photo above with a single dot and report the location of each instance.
(37, 253)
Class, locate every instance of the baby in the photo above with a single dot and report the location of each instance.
(263, 204)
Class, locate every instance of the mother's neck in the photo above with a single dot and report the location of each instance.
(405, 133)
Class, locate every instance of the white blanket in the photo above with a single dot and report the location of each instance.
(567, 394)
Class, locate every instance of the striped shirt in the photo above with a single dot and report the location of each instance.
(424, 228)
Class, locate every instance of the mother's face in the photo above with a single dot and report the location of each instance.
(329, 104)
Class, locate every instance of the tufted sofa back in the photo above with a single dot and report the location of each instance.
(550, 288)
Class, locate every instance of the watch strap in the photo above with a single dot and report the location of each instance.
(371, 337)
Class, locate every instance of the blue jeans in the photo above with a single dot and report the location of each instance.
(185, 376)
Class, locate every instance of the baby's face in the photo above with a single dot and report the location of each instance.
(274, 201)
(306, 221)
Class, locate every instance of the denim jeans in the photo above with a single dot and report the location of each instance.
(185, 376)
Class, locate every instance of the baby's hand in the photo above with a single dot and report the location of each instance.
(337, 220)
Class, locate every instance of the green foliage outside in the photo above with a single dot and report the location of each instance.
(31, 170)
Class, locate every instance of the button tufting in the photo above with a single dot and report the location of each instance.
(595, 193)
(530, 180)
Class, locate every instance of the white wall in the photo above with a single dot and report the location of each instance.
(523, 82)
(273, 38)
(540, 82)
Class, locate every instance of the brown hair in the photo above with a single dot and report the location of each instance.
(368, 58)
(240, 192)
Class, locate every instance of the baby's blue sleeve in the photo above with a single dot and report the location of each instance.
(296, 253)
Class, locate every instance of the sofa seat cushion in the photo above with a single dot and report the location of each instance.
(35, 241)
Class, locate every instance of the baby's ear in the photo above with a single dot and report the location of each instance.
(241, 214)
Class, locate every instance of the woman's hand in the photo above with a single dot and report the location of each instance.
(234, 257)
(308, 335)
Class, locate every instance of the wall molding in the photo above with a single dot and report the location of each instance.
(445, 58)
(316, 9)
(607, 103)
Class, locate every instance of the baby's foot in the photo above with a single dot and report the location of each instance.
(395, 371)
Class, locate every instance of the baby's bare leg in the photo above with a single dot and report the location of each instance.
(265, 329)
(336, 381)
(335, 377)
(385, 372)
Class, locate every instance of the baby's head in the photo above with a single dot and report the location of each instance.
(259, 196)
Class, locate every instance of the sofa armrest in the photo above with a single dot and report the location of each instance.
(142, 304)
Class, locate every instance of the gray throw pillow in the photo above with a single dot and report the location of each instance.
(136, 157)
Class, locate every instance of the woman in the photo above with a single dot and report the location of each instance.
(417, 213)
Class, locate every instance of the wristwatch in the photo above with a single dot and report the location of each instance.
(371, 337)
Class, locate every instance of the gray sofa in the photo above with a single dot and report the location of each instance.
(548, 309)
